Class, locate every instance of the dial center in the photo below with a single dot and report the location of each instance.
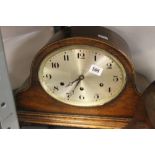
(81, 77)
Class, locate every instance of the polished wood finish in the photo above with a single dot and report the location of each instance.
(145, 111)
(149, 102)
(36, 106)
(79, 121)
(100, 33)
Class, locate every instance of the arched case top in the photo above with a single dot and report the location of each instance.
(99, 33)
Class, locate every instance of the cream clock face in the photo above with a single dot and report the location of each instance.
(82, 75)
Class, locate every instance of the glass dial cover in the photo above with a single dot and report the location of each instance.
(82, 75)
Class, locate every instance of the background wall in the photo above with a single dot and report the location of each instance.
(22, 43)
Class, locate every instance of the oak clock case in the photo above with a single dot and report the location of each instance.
(83, 78)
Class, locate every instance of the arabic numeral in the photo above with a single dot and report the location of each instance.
(55, 88)
(96, 97)
(95, 57)
(81, 97)
(115, 78)
(109, 66)
(109, 89)
(55, 65)
(47, 76)
(81, 55)
(66, 57)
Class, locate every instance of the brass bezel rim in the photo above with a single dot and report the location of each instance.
(54, 52)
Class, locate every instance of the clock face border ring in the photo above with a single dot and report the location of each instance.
(90, 101)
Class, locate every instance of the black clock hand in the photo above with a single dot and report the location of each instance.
(70, 83)
(76, 85)
(81, 77)
(72, 92)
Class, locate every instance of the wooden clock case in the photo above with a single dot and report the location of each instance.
(35, 106)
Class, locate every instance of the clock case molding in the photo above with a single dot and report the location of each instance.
(35, 106)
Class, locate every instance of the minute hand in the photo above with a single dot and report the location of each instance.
(72, 92)
(76, 85)
(70, 83)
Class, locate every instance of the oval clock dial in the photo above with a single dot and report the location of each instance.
(82, 75)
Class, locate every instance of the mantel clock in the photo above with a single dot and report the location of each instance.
(82, 78)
